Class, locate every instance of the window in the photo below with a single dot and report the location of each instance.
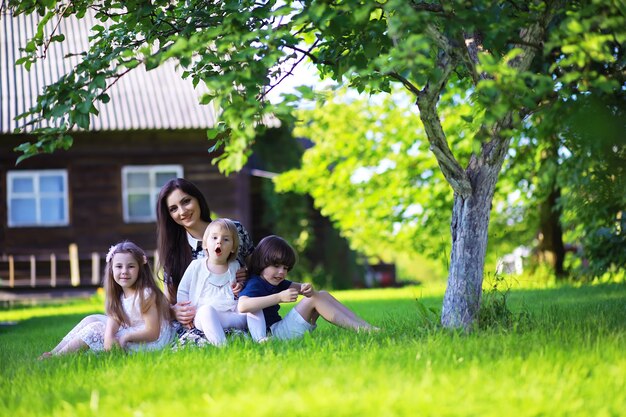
(140, 188)
(37, 198)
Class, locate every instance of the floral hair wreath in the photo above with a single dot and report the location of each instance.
(111, 252)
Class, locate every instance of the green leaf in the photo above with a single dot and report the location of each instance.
(211, 134)
(84, 107)
(30, 46)
(469, 118)
(130, 64)
(100, 81)
(206, 98)
(152, 62)
(59, 111)
(82, 120)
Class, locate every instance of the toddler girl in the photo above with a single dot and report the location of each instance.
(210, 284)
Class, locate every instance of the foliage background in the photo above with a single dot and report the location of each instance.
(325, 257)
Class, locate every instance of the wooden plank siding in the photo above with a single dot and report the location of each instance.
(94, 166)
(153, 118)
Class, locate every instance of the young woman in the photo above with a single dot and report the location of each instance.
(183, 216)
(137, 312)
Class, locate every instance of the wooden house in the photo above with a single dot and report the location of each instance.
(104, 188)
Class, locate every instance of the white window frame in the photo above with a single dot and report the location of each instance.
(152, 189)
(37, 194)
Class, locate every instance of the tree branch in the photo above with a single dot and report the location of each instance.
(494, 151)
(308, 53)
(54, 29)
(427, 102)
(472, 46)
(407, 84)
(305, 54)
(116, 78)
(465, 49)
(426, 7)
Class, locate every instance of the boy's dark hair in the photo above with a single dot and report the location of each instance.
(271, 250)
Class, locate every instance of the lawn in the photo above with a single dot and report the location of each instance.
(565, 358)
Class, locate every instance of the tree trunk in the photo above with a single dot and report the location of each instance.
(550, 249)
(470, 223)
(551, 233)
(472, 207)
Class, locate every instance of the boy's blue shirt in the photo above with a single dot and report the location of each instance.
(258, 287)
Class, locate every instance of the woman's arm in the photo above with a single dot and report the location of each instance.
(149, 333)
(184, 287)
(184, 311)
(110, 331)
(242, 275)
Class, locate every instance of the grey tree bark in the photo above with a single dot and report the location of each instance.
(474, 186)
(469, 227)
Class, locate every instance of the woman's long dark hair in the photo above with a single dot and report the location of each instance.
(172, 245)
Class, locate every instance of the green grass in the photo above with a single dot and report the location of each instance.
(567, 361)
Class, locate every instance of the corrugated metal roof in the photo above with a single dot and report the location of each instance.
(140, 100)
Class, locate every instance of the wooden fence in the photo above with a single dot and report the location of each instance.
(52, 270)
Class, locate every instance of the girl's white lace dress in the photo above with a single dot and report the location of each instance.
(92, 333)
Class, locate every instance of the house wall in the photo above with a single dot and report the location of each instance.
(94, 165)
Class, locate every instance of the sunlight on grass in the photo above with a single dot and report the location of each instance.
(93, 305)
(433, 289)
(567, 362)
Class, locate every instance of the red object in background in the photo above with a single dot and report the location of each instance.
(384, 274)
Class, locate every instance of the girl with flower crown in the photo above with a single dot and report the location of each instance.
(137, 312)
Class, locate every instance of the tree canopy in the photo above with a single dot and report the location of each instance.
(515, 63)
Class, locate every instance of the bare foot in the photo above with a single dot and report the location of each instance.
(45, 355)
(368, 329)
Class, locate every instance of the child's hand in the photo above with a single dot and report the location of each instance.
(237, 287)
(112, 344)
(306, 289)
(123, 341)
(289, 295)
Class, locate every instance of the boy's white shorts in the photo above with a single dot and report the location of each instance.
(291, 326)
